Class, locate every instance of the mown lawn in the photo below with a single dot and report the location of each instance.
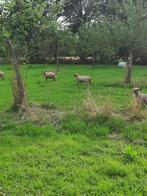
(73, 153)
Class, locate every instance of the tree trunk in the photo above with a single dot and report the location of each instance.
(129, 69)
(19, 93)
(94, 60)
(57, 58)
(57, 64)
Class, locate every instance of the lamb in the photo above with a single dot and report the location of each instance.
(82, 79)
(50, 75)
(2, 75)
(141, 99)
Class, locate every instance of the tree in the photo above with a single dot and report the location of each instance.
(95, 40)
(57, 41)
(79, 12)
(19, 21)
(130, 33)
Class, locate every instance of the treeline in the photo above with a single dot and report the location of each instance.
(93, 30)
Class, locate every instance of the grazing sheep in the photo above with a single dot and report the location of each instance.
(82, 79)
(122, 64)
(141, 98)
(1, 75)
(50, 75)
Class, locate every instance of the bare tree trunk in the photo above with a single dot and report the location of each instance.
(129, 69)
(19, 93)
(94, 60)
(58, 64)
(57, 58)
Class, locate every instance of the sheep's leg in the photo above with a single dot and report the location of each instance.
(78, 82)
(90, 82)
(46, 79)
(54, 78)
(143, 105)
(139, 104)
(2, 77)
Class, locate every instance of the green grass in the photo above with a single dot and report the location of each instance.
(65, 151)
(64, 93)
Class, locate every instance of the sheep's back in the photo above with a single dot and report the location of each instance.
(50, 74)
(144, 98)
(1, 73)
(84, 78)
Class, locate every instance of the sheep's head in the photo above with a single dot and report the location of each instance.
(76, 75)
(44, 72)
(136, 90)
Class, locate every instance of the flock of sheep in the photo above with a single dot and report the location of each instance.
(80, 79)
(52, 75)
(141, 99)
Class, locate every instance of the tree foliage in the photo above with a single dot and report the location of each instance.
(21, 23)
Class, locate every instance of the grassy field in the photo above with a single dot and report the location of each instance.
(66, 148)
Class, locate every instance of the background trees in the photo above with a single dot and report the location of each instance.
(130, 33)
(80, 12)
(42, 31)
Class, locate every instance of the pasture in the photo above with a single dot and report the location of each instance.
(64, 93)
(65, 150)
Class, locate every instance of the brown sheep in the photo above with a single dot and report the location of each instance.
(141, 98)
(2, 75)
(49, 75)
(82, 79)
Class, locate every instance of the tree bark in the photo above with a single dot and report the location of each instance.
(57, 58)
(129, 69)
(94, 60)
(19, 93)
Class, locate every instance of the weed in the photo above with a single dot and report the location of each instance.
(130, 155)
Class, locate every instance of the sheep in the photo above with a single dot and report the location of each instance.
(2, 75)
(141, 99)
(50, 75)
(82, 79)
(122, 64)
